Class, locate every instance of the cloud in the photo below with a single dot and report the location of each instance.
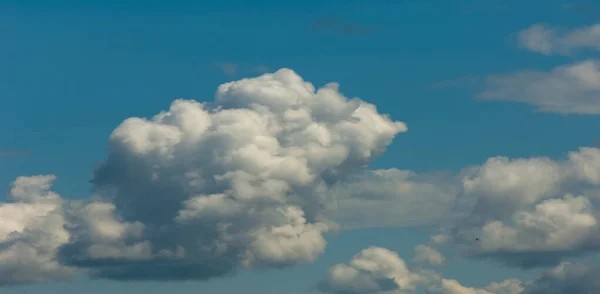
(230, 69)
(566, 89)
(31, 231)
(12, 153)
(392, 197)
(567, 278)
(564, 278)
(373, 270)
(525, 212)
(546, 40)
(531, 212)
(261, 69)
(204, 189)
(428, 255)
(377, 270)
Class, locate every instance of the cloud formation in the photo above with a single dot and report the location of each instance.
(566, 89)
(377, 270)
(230, 69)
(31, 231)
(532, 212)
(202, 189)
(546, 40)
(524, 212)
(373, 270)
(394, 198)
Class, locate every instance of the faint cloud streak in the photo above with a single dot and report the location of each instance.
(14, 153)
(229, 69)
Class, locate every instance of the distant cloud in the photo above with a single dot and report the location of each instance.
(547, 40)
(261, 69)
(12, 153)
(566, 89)
(229, 69)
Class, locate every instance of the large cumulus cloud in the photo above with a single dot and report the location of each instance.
(526, 212)
(203, 189)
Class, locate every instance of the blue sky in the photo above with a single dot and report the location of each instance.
(73, 71)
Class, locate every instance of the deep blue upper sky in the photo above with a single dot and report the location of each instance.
(71, 71)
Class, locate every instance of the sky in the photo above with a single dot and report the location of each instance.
(344, 147)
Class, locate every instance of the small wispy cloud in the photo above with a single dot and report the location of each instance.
(547, 40)
(14, 153)
(232, 69)
(229, 69)
(261, 69)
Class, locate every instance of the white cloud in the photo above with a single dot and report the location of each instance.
(546, 40)
(531, 211)
(373, 270)
(566, 89)
(31, 231)
(203, 189)
(427, 254)
(377, 270)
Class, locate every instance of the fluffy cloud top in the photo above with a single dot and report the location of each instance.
(550, 41)
(377, 270)
(573, 88)
(373, 270)
(532, 211)
(31, 230)
(202, 189)
(427, 254)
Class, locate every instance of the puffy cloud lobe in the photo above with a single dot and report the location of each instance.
(31, 231)
(427, 254)
(204, 188)
(373, 270)
(573, 88)
(377, 270)
(531, 212)
(546, 40)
